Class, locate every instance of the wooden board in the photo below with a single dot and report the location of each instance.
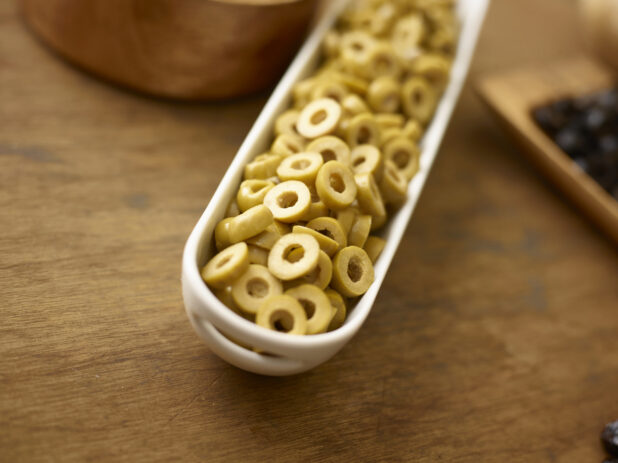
(512, 95)
(493, 338)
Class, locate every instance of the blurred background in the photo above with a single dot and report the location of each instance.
(493, 336)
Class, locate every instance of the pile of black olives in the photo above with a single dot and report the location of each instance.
(586, 128)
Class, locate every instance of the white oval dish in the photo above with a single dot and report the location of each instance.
(295, 354)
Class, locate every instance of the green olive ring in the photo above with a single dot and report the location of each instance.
(331, 228)
(339, 308)
(373, 247)
(251, 193)
(329, 89)
(368, 196)
(301, 92)
(288, 201)
(352, 271)
(413, 130)
(249, 223)
(387, 135)
(227, 266)
(389, 121)
(378, 221)
(316, 305)
(404, 154)
(316, 209)
(330, 44)
(318, 118)
(282, 313)
(367, 159)
(225, 295)
(284, 268)
(384, 94)
(286, 122)
(382, 61)
(360, 230)
(222, 234)
(320, 276)
(287, 144)
(300, 166)
(328, 245)
(394, 185)
(263, 166)
(443, 40)
(253, 287)
(232, 209)
(353, 83)
(433, 67)
(258, 255)
(362, 129)
(382, 18)
(353, 104)
(331, 148)
(419, 99)
(268, 238)
(355, 48)
(407, 35)
(346, 218)
(335, 185)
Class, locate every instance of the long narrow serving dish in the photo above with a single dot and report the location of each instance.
(217, 324)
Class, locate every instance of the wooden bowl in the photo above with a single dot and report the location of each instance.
(189, 49)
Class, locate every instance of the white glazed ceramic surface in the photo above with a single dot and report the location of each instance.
(295, 354)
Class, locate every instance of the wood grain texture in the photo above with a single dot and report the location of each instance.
(513, 95)
(189, 49)
(493, 338)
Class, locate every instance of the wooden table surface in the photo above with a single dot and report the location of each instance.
(493, 339)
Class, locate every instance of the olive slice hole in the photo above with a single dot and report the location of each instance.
(300, 164)
(257, 287)
(326, 232)
(318, 116)
(336, 182)
(281, 320)
(287, 199)
(355, 269)
(294, 254)
(334, 96)
(364, 135)
(417, 97)
(309, 307)
(328, 155)
(401, 158)
(359, 161)
(292, 148)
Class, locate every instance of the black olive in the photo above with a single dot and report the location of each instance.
(569, 140)
(586, 129)
(564, 107)
(548, 119)
(609, 143)
(595, 118)
(609, 437)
